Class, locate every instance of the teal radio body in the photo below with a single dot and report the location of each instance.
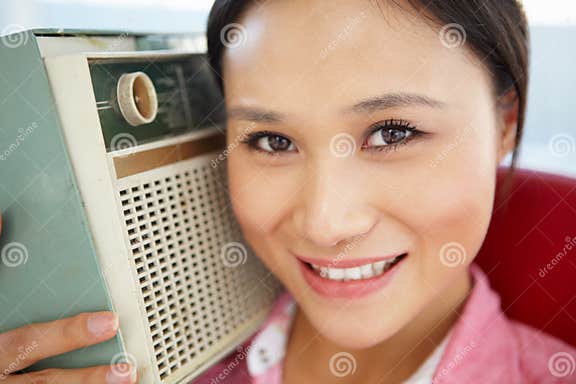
(114, 197)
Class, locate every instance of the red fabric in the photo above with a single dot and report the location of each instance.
(533, 225)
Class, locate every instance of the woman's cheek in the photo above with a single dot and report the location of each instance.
(450, 213)
(259, 201)
(259, 195)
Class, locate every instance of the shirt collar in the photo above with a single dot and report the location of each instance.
(481, 335)
(269, 345)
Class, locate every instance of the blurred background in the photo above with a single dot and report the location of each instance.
(550, 137)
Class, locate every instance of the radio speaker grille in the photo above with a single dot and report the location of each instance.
(199, 283)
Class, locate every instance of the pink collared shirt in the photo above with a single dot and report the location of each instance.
(484, 346)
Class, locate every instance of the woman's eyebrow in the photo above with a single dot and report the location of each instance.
(255, 114)
(386, 101)
(391, 100)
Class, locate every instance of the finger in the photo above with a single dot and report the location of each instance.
(22, 347)
(116, 374)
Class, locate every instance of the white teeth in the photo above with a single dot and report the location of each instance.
(379, 267)
(353, 273)
(365, 271)
(335, 273)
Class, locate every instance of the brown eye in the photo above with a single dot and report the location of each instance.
(388, 136)
(278, 143)
(391, 134)
(273, 143)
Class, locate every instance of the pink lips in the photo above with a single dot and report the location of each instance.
(348, 289)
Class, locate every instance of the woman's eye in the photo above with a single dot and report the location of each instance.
(270, 143)
(390, 135)
(387, 136)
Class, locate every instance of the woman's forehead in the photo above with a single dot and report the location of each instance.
(310, 49)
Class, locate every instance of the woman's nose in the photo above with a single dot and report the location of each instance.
(335, 205)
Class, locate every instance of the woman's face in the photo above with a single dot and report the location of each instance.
(329, 77)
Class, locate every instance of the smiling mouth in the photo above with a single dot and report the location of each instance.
(362, 272)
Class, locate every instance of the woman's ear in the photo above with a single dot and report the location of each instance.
(508, 124)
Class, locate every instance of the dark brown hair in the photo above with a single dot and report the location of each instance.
(496, 31)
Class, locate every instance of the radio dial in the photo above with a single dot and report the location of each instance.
(137, 98)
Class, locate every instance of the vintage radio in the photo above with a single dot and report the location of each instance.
(114, 197)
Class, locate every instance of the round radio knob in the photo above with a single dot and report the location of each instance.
(137, 98)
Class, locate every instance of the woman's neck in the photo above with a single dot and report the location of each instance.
(391, 361)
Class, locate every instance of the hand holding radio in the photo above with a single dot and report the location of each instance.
(24, 346)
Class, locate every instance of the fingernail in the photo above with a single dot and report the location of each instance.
(102, 323)
(121, 374)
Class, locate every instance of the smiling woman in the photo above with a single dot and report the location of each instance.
(372, 132)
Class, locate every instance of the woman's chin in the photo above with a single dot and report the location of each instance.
(350, 341)
(350, 335)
